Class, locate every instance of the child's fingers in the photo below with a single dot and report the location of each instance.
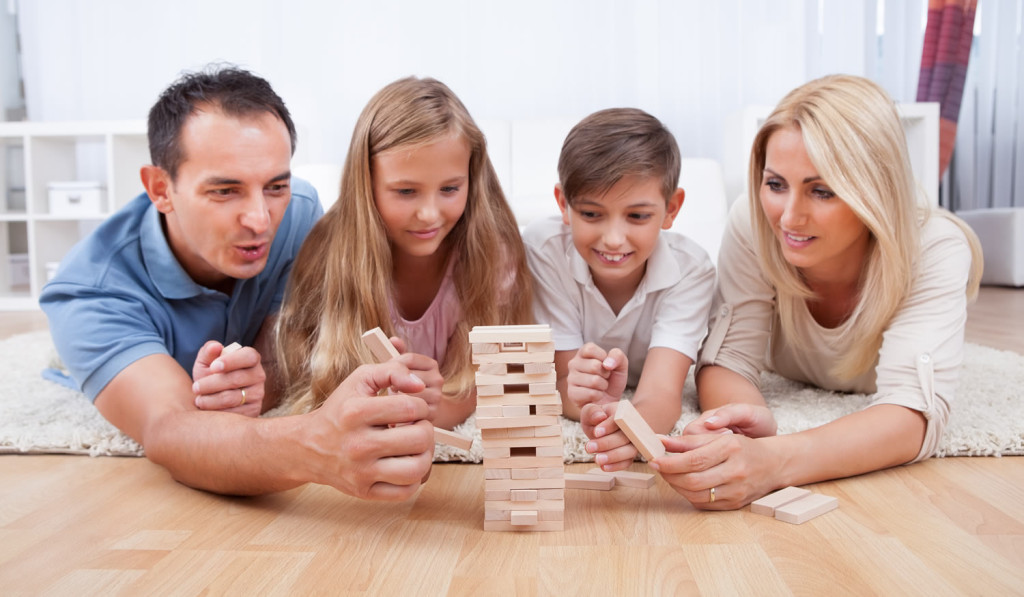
(616, 458)
(615, 361)
(591, 351)
(607, 443)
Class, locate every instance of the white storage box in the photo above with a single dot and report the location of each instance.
(75, 199)
(19, 274)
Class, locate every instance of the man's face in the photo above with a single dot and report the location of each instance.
(231, 191)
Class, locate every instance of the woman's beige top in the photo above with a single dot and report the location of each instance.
(922, 347)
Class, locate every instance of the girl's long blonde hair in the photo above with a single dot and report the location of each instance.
(341, 282)
(854, 138)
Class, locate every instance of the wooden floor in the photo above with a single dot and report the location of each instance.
(72, 525)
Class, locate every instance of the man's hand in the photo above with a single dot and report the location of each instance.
(370, 446)
(229, 382)
(596, 376)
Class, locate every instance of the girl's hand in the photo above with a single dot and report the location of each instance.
(596, 376)
(611, 448)
(744, 419)
(740, 469)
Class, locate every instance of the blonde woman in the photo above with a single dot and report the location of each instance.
(421, 242)
(831, 274)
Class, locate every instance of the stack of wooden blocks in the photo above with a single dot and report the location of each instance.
(517, 414)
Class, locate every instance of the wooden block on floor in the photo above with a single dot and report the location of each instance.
(632, 423)
(806, 508)
(627, 478)
(766, 506)
(379, 346)
(450, 438)
(584, 481)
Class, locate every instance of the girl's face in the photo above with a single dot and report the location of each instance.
(420, 192)
(817, 231)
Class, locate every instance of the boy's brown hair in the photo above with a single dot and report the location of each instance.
(611, 144)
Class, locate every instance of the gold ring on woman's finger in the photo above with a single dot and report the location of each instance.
(712, 492)
(242, 403)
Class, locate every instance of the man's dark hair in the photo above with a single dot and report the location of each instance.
(234, 91)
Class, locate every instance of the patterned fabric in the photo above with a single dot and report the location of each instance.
(947, 48)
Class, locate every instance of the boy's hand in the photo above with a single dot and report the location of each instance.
(596, 376)
(611, 448)
(743, 419)
(220, 379)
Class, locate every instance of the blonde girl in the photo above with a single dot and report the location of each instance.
(835, 275)
(421, 242)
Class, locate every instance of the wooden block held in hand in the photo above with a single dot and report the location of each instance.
(632, 423)
(450, 438)
(379, 345)
(806, 508)
(230, 348)
(768, 504)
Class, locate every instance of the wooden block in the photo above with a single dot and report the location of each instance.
(548, 409)
(230, 348)
(491, 390)
(497, 473)
(513, 357)
(555, 472)
(545, 451)
(543, 525)
(489, 434)
(523, 517)
(497, 495)
(535, 505)
(538, 368)
(488, 410)
(492, 369)
(519, 398)
(538, 484)
(450, 438)
(548, 430)
(379, 346)
(540, 347)
(638, 431)
(509, 422)
(542, 388)
(543, 515)
(528, 462)
(486, 348)
(496, 452)
(524, 473)
(767, 505)
(510, 333)
(525, 442)
(516, 410)
(583, 481)
(485, 379)
(627, 478)
(523, 495)
(806, 508)
(497, 514)
(521, 432)
(551, 494)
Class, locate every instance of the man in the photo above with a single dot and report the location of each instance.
(201, 260)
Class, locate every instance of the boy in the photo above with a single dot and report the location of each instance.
(627, 304)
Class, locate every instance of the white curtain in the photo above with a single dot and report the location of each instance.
(695, 64)
(987, 169)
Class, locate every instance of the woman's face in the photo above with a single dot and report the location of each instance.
(817, 231)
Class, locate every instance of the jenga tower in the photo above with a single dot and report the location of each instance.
(517, 414)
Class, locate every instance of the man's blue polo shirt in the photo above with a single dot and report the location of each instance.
(120, 294)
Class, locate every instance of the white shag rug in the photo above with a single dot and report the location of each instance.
(987, 419)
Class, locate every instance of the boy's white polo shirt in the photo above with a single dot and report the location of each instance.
(670, 308)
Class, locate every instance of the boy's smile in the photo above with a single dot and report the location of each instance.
(616, 231)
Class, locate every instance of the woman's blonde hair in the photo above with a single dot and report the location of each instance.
(341, 282)
(853, 136)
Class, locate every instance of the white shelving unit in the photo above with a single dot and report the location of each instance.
(35, 154)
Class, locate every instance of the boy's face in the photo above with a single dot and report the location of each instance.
(616, 232)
